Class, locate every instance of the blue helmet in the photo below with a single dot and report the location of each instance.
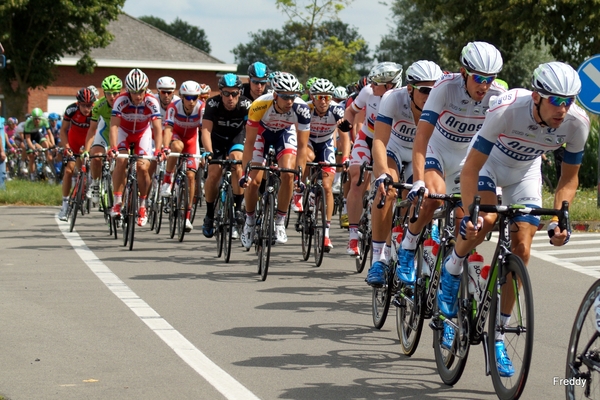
(230, 81)
(258, 70)
(54, 117)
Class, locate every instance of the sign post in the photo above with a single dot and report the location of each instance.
(589, 97)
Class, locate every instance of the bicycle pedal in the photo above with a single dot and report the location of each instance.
(396, 302)
(436, 324)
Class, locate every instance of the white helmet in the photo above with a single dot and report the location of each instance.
(386, 72)
(423, 71)
(189, 88)
(166, 82)
(136, 80)
(285, 82)
(340, 93)
(556, 78)
(204, 88)
(481, 57)
(322, 86)
(94, 90)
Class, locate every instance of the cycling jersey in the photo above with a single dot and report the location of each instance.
(246, 91)
(226, 123)
(184, 126)
(163, 111)
(78, 128)
(366, 98)
(323, 128)
(511, 135)
(37, 133)
(101, 111)
(135, 120)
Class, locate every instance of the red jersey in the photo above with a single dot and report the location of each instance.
(184, 126)
(135, 120)
(78, 128)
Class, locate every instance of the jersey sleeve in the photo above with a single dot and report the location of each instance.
(338, 112)
(170, 115)
(210, 109)
(577, 136)
(303, 113)
(361, 100)
(387, 108)
(70, 112)
(257, 110)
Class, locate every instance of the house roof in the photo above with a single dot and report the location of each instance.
(137, 44)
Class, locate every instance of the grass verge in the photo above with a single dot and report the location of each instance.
(19, 192)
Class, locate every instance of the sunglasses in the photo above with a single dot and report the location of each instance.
(137, 91)
(479, 79)
(322, 97)
(111, 93)
(258, 82)
(558, 100)
(166, 92)
(287, 96)
(230, 94)
(191, 98)
(379, 83)
(423, 89)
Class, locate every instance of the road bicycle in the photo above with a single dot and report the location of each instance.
(225, 210)
(179, 199)
(364, 223)
(78, 198)
(155, 200)
(199, 192)
(312, 221)
(507, 274)
(105, 192)
(45, 171)
(264, 235)
(583, 357)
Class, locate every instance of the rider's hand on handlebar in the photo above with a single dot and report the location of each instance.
(244, 181)
(467, 230)
(558, 238)
(415, 188)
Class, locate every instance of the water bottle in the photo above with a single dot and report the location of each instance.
(430, 250)
(435, 232)
(483, 277)
(475, 266)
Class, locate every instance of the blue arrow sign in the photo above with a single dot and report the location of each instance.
(589, 73)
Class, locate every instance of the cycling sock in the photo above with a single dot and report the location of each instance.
(353, 230)
(118, 197)
(238, 199)
(327, 226)
(65, 200)
(188, 213)
(378, 251)
(454, 265)
(387, 252)
(210, 209)
(142, 201)
(251, 218)
(410, 240)
(504, 320)
(280, 218)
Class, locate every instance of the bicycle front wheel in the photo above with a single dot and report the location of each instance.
(220, 221)
(132, 212)
(182, 206)
(364, 243)
(584, 349)
(173, 213)
(306, 225)
(409, 314)
(76, 202)
(320, 226)
(228, 223)
(381, 298)
(266, 235)
(125, 213)
(517, 331)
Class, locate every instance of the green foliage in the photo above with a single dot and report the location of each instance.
(37, 33)
(19, 192)
(181, 30)
(588, 174)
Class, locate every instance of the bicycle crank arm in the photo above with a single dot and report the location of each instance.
(486, 353)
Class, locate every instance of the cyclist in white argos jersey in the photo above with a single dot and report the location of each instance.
(453, 113)
(382, 77)
(397, 118)
(519, 128)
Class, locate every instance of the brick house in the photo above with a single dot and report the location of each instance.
(136, 45)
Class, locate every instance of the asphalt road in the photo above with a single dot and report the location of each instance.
(169, 320)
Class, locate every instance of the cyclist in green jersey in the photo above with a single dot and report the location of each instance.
(96, 141)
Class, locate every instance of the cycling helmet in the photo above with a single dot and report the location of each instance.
(13, 120)
(340, 93)
(322, 86)
(258, 70)
(481, 57)
(112, 82)
(54, 117)
(204, 89)
(136, 80)
(285, 82)
(190, 88)
(556, 78)
(85, 95)
(423, 71)
(362, 82)
(230, 81)
(502, 83)
(272, 76)
(166, 82)
(37, 113)
(94, 90)
(300, 87)
(310, 82)
(386, 72)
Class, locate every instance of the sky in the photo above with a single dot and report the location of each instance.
(228, 23)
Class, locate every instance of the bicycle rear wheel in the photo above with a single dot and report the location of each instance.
(364, 243)
(320, 226)
(125, 213)
(220, 221)
(173, 212)
(228, 223)
(266, 235)
(182, 205)
(305, 219)
(409, 314)
(381, 298)
(518, 332)
(76, 205)
(584, 349)
(152, 202)
(132, 212)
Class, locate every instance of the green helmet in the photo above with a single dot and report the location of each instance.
(301, 88)
(502, 83)
(37, 113)
(310, 82)
(112, 82)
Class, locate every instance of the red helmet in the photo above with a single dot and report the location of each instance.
(85, 95)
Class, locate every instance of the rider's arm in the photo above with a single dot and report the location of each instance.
(303, 137)
(64, 139)
(251, 133)
(469, 176)
(115, 122)
(207, 127)
(167, 135)
(349, 115)
(380, 141)
(424, 132)
(567, 185)
(158, 133)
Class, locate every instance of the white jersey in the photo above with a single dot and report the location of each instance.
(323, 128)
(512, 137)
(366, 98)
(394, 110)
(455, 115)
(163, 111)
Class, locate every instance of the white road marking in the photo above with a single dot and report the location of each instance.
(218, 378)
(577, 243)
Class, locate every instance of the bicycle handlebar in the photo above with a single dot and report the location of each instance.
(187, 155)
(364, 167)
(143, 157)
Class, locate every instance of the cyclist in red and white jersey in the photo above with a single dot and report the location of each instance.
(135, 115)
(165, 93)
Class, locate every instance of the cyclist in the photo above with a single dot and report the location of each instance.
(205, 91)
(519, 127)
(452, 115)
(340, 95)
(258, 73)
(135, 116)
(309, 83)
(97, 139)
(181, 126)
(282, 120)
(55, 124)
(223, 135)
(165, 93)
(324, 120)
(35, 130)
(383, 77)
(94, 91)
(73, 132)
(397, 118)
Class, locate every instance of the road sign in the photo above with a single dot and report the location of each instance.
(589, 73)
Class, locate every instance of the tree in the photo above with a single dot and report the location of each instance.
(34, 39)
(181, 30)
(262, 46)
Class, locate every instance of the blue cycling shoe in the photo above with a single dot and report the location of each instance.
(503, 363)
(447, 294)
(448, 337)
(376, 274)
(208, 229)
(406, 266)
